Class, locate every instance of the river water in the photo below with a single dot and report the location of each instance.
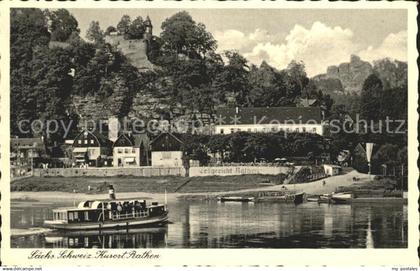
(235, 225)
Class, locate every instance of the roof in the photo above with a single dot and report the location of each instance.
(166, 142)
(103, 140)
(266, 115)
(124, 140)
(132, 140)
(27, 143)
(26, 140)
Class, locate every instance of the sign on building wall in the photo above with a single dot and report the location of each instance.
(238, 170)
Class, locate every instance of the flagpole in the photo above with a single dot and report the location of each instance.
(369, 148)
(166, 199)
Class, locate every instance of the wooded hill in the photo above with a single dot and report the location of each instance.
(56, 74)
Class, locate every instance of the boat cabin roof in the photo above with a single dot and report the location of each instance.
(96, 204)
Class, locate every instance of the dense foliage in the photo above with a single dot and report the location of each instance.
(51, 63)
(253, 147)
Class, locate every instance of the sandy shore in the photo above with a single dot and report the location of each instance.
(315, 188)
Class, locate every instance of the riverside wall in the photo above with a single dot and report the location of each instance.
(110, 172)
(238, 170)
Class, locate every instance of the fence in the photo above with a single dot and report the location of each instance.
(110, 171)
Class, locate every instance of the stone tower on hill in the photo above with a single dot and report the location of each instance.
(148, 34)
(136, 50)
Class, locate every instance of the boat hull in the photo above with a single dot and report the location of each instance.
(291, 198)
(236, 199)
(111, 224)
(341, 198)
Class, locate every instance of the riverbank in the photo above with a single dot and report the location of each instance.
(195, 188)
(172, 184)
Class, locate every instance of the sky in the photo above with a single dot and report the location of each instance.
(318, 37)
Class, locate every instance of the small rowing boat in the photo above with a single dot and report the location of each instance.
(295, 198)
(341, 198)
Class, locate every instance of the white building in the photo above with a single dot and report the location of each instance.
(269, 120)
(166, 151)
(131, 150)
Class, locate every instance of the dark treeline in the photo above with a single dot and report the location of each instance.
(253, 147)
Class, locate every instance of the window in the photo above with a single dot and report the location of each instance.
(91, 141)
(86, 141)
(297, 130)
(303, 129)
(71, 216)
(86, 215)
(222, 131)
(274, 129)
(79, 141)
(232, 130)
(119, 150)
(313, 130)
(76, 215)
(133, 150)
(238, 130)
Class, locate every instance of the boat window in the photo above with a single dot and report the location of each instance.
(71, 216)
(76, 215)
(86, 215)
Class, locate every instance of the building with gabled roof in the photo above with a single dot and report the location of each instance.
(91, 148)
(166, 150)
(131, 150)
(269, 119)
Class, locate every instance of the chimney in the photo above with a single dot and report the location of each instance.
(113, 127)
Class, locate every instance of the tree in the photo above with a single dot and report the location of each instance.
(267, 86)
(297, 80)
(136, 29)
(124, 25)
(371, 98)
(51, 68)
(62, 24)
(233, 79)
(94, 33)
(182, 35)
(29, 30)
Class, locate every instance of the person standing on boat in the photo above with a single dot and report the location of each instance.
(111, 192)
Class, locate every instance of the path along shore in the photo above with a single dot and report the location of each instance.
(314, 188)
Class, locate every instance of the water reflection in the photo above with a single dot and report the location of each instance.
(239, 225)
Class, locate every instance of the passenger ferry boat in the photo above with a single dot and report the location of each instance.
(108, 214)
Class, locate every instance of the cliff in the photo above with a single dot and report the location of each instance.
(351, 75)
(135, 50)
